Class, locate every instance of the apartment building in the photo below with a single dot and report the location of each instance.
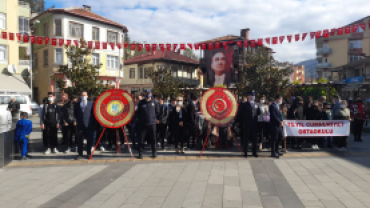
(299, 73)
(135, 78)
(74, 24)
(340, 58)
(15, 56)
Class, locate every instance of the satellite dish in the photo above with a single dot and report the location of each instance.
(12, 69)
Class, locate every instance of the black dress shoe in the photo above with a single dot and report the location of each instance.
(280, 153)
(79, 157)
(245, 155)
(255, 155)
(275, 156)
(140, 156)
(29, 156)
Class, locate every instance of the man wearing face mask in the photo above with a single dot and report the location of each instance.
(336, 104)
(297, 112)
(50, 123)
(147, 120)
(83, 112)
(249, 115)
(358, 115)
(276, 126)
(263, 118)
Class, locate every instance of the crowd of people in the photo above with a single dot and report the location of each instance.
(179, 123)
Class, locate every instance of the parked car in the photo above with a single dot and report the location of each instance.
(23, 100)
(35, 107)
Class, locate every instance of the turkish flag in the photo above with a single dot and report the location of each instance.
(39, 40)
(204, 46)
(196, 46)
(239, 43)
(275, 40)
(4, 35)
(105, 45)
(340, 31)
(253, 43)
(119, 45)
(161, 46)
(33, 39)
(312, 34)
(46, 39)
(260, 42)
(363, 26)
(125, 44)
(354, 28)
(182, 46)
(304, 35)
(190, 45)
(25, 38)
(289, 38)
(90, 44)
(11, 36)
(224, 45)
(61, 41)
(267, 40)
(140, 47)
(281, 38)
(154, 46)
(210, 46)
(53, 41)
(332, 32)
(325, 33)
(217, 45)
(19, 36)
(175, 46)
(318, 34)
(69, 42)
(296, 36)
(147, 47)
(133, 46)
(97, 45)
(348, 30)
(245, 43)
(112, 45)
(168, 47)
(76, 42)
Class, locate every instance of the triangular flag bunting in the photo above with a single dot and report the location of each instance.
(332, 32)
(140, 47)
(289, 38)
(260, 41)
(304, 35)
(348, 29)
(46, 40)
(340, 31)
(175, 46)
(39, 40)
(190, 45)
(204, 46)
(33, 39)
(76, 42)
(312, 34)
(154, 46)
(161, 46)
(105, 45)
(19, 36)
(133, 46)
(11, 36)
(275, 40)
(90, 44)
(318, 34)
(112, 45)
(61, 41)
(224, 44)
(25, 38)
(217, 45)
(69, 42)
(119, 45)
(325, 33)
(196, 46)
(253, 43)
(4, 35)
(168, 47)
(97, 45)
(53, 41)
(182, 46)
(239, 43)
(147, 47)
(267, 40)
(354, 28)
(245, 43)
(363, 26)
(296, 36)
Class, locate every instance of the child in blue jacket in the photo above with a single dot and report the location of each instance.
(22, 132)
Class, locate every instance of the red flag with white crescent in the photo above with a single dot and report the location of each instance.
(4, 35)
(281, 38)
(340, 31)
(69, 42)
(161, 46)
(25, 38)
(90, 44)
(304, 35)
(363, 26)
(260, 41)
(19, 36)
(245, 43)
(196, 46)
(39, 40)
(125, 44)
(224, 45)
(289, 38)
(204, 46)
(325, 33)
(296, 36)
(105, 45)
(119, 45)
(76, 42)
(147, 47)
(175, 46)
(154, 46)
(275, 40)
(210, 46)
(312, 34)
(354, 28)
(140, 47)
(61, 41)
(112, 45)
(168, 47)
(53, 41)
(217, 45)
(190, 45)
(46, 40)
(33, 39)
(318, 34)
(133, 46)
(332, 32)
(267, 40)
(11, 36)
(253, 43)
(182, 46)
(97, 45)
(239, 43)
(348, 30)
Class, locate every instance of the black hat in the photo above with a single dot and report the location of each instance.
(251, 93)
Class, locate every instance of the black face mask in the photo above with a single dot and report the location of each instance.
(359, 101)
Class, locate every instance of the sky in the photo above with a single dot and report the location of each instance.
(188, 21)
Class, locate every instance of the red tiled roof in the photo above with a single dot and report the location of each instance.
(80, 12)
(161, 55)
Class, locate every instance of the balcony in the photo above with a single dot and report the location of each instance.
(323, 65)
(25, 62)
(324, 51)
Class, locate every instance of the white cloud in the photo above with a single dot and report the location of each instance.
(183, 21)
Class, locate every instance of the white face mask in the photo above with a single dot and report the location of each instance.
(50, 99)
(280, 102)
(262, 101)
(179, 102)
(342, 106)
(84, 98)
(253, 98)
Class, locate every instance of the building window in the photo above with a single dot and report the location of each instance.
(76, 30)
(141, 73)
(58, 27)
(3, 53)
(24, 53)
(112, 62)
(174, 72)
(355, 44)
(112, 37)
(23, 25)
(189, 74)
(146, 88)
(58, 56)
(46, 58)
(132, 73)
(354, 58)
(46, 30)
(134, 90)
(2, 21)
(34, 60)
(95, 34)
(95, 59)
(145, 73)
(326, 46)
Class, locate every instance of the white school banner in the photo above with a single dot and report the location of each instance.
(316, 128)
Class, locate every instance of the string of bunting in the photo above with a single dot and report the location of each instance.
(204, 46)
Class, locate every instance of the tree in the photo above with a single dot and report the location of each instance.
(37, 6)
(190, 53)
(83, 75)
(258, 75)
(127, 51)
(297, 82)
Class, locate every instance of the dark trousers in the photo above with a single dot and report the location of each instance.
(222, 136)
(250, 135)
(341, 141)
(51, 133)
(178, 136)
(68, 132)
(133, 134)
(44, 138)
(262, 131)
(147, 132)
(81, 134)
(191, 135)
(357, 129)
(276, 138)
(162, 132)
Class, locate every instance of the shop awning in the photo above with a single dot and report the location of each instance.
(13, 84)
(352, 87)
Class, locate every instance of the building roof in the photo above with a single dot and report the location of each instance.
(159, 55)
(81, 12)
(358, 21)
(224, 38)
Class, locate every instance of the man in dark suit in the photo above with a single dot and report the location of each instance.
(162, 120)
(276, 126)
(249, 113)
(190, 119)
(83, 112)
